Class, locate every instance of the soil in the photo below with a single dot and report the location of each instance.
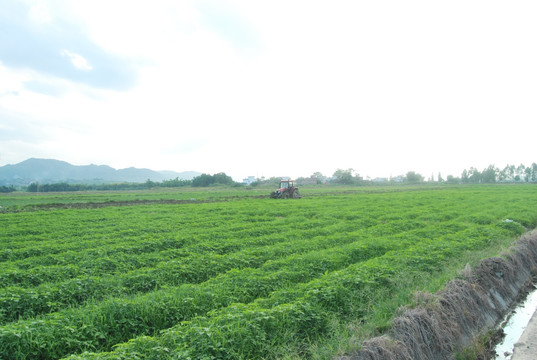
(96, 205)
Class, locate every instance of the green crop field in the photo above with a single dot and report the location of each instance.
(230, 274)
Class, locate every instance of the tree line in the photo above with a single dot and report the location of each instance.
(490, 174)
(202, 180)
(509, 173)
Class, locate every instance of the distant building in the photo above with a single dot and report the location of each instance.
(249, 180)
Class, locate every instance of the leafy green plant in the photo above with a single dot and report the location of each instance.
(234, 275)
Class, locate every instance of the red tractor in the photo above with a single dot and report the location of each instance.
(287, 190)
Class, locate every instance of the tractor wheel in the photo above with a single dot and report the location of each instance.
(285, 195)
(296, 195)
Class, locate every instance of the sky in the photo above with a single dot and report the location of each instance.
(270, 88)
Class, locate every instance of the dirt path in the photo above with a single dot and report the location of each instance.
(526, 347)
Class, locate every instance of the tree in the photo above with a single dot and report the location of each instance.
(508, 173)
(440, 179)
(6, 189)
(474, 176)
(520, 170)
(149, 184)
(452, 180)
(222, 178)
(413, 177)
(489, 174)
(464, 176)
(318, 177)
(202, 180)
(527, 177)
(205, 180)
(344, 177)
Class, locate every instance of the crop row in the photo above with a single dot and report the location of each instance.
(142, 229)
(118, 259)
(118, 319)
(53, 242)
(115, 320)
(294, 314)
(93, 256)
(18, 302)
(61, 237)
(174, 268)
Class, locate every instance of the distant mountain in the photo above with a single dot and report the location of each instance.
(48, 171)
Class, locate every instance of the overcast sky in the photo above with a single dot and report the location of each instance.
(270, 88)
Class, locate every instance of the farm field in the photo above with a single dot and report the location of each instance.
(230, 274)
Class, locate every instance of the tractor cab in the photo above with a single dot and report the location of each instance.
(286, 184)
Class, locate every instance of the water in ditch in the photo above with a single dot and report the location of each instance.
(515, 326)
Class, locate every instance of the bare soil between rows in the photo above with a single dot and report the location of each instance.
(103, 204)
(468, 311)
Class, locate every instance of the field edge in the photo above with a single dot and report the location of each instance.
(463, 314)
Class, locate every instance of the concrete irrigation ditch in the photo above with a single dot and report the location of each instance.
(446, 323)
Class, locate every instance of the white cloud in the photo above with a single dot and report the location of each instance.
(77, 60)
